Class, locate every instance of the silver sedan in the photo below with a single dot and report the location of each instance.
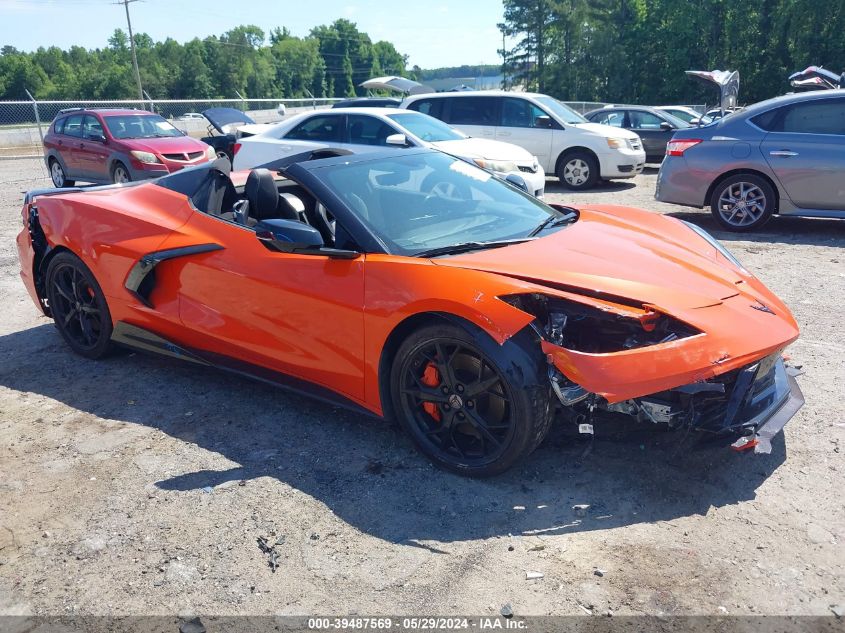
(782, 156)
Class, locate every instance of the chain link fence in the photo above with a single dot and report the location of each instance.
(23, 123)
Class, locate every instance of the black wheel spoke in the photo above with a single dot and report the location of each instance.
(69, 317)
(426, 394)
(444, 364)
(480, 387)
(64, 291)
(481, 426)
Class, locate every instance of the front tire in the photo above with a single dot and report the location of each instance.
(578, 171)
(471, 406)
(120, 174)
(743, 202)
(58, 176)
(78, 306)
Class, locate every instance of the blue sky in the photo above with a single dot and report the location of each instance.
(433, 33)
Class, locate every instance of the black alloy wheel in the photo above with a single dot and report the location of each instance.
(459, 408)
(78, 306)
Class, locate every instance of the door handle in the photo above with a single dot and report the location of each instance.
(784, 153)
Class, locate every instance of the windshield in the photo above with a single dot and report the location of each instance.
(417, 202)
(426, 127)
(140, 126)
(562, 112)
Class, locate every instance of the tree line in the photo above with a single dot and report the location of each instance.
(330, 62)
(636, 51)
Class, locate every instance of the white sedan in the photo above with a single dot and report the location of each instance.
(367, 129)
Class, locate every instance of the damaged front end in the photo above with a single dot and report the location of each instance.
(745, 406)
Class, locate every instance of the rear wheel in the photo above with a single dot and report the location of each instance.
(456, 397)
(58, 176)
(120, 173)
(743, 202)
(578, 170)
(78, 306)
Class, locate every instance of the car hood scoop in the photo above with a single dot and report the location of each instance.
(616, 252)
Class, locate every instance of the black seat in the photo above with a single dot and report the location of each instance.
(263, 196)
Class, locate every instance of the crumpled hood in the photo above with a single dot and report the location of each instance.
(607, 131)
(166, 145)
(628, 253)
(484, 148)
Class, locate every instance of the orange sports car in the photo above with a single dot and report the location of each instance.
(414, 286)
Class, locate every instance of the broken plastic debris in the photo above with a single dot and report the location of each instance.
(580, 509)
(533, 575)
(506, 610)
(585, 428)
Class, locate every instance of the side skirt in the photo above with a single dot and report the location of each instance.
(146, 341)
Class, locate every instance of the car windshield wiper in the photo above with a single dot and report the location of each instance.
(466, 247)
(553, 220)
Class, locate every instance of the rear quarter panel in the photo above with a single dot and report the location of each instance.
(110, 230)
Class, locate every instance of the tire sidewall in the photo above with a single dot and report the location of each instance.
(519, 370)
(104, 344)
(53, 163)
(120, 165)
(592, 163)
(757, 181)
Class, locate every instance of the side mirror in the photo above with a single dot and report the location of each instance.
(93, 136)
(665, 125)
(517, 181)
(399, 140)
(290, 236)
(544, 122)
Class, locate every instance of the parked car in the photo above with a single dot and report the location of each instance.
(578, 152)
(685, 113)
(227, 125)
(371, 129)
(368, 102)
(655, 127)
(191, 116)
(785, 156)
(470, 322)
(115, 146)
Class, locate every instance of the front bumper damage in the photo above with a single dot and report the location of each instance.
(746, 407)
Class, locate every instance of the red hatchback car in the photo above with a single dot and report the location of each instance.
(105, 146)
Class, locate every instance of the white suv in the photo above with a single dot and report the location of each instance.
(566, 144)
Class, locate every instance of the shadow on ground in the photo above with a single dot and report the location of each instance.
(605, 186)
(365, 471)
(778, 230)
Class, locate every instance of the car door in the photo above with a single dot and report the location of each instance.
(523, 123)
(806, 150)
(93, 156)
(68, 145)
(475, 116)
(300, 315)
(651, 130)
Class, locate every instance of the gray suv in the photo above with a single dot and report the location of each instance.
(785, 155)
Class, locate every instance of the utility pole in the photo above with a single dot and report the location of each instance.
(125, 4)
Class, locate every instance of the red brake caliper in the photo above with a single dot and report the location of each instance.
(431, 378)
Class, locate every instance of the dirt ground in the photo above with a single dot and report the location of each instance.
(139, 485)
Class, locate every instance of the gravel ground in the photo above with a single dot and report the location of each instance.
(139, 485)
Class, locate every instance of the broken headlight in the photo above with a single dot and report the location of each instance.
(585, 328)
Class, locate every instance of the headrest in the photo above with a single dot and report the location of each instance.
(262, 194)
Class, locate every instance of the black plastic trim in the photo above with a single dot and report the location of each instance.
(144, 266)
(147, 341)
